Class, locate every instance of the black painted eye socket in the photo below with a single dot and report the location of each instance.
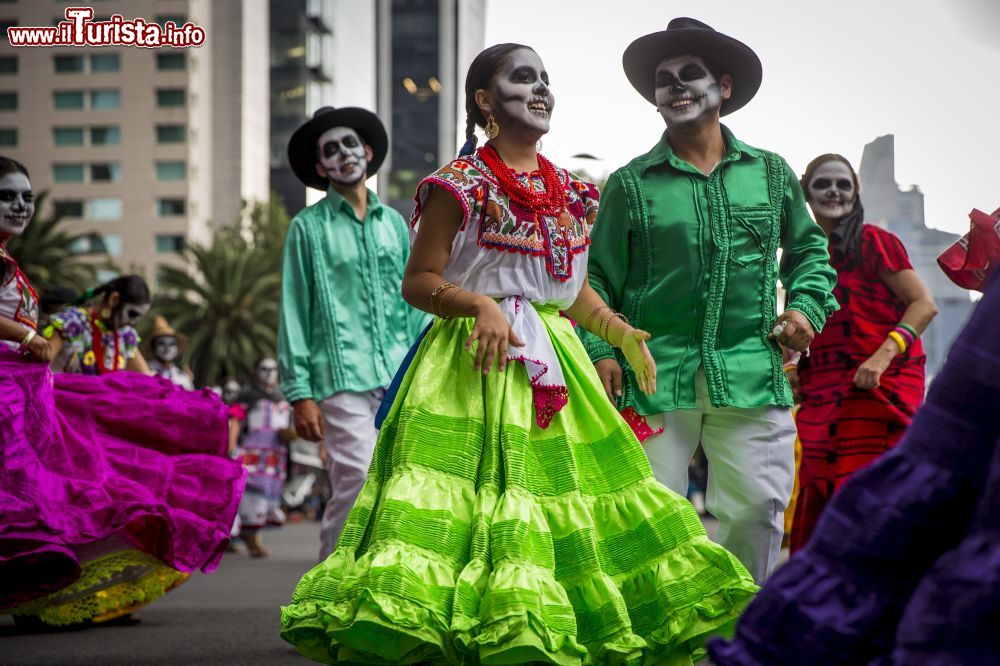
(822, 183)
(7, 196)
(133, 314)
(692, 73)
(330, 148)
(350, 142)
(844, 184)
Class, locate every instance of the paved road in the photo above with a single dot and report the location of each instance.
(228, 617)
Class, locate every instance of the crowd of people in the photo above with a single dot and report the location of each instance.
(508, 389)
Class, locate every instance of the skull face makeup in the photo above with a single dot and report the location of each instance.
(165, 349)
(231, 391)
(524, 99)
(687, 91)
(17, 204)
(267, 372)
(129, 314)
(342, 156)
(831, 191)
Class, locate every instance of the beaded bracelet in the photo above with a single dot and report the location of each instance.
(898, 339)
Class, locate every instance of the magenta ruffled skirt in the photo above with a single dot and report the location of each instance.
(122, 456)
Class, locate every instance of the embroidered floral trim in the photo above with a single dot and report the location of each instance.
(506, 226)
(108, 587)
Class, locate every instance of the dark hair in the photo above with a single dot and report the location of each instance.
(8, 165)
(480, 76)
(130, 288)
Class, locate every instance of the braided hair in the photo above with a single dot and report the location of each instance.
(480, 76)
(130, 289)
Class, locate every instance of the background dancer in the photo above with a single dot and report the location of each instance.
(864, 377)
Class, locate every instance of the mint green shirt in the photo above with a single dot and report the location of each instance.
(344, 325)
(693, 260)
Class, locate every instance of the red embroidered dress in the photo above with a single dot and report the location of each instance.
(843, 428)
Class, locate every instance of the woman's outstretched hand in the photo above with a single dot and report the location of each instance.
(634, 347)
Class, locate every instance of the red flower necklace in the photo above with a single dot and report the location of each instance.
(97, 342)
(551, 202)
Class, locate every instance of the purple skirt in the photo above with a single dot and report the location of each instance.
(123, 456)
(904, 565)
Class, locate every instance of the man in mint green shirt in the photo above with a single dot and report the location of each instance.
(685, 245)
(344, 325)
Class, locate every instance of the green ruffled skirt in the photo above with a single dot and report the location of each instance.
(481, 538)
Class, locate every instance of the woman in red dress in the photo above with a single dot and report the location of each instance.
(864, 376)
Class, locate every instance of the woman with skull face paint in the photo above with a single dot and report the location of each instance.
(864, 377)
(102, 338)
(510, 515)
(89, 530)
(263, 451)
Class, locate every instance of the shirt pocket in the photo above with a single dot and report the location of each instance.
(751, 231)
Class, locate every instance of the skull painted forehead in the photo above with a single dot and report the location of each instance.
(17, 204)
(165, 348)
(342, 155)
(832, 190)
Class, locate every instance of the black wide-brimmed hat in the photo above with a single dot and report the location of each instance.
(687, 36)
(302, 145)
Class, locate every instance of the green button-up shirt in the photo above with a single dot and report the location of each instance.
(693, 260)
(344, 324)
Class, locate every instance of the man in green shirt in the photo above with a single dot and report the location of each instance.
(685, 245)
(344, 325)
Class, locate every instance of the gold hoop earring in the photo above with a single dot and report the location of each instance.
(492, 128)
(106, 313)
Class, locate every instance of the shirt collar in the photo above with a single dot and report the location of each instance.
(663, 152)
(338, 203)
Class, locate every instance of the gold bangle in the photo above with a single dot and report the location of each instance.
(606, 324)
(590, 317)
(898, 339)
(434, 296)
(445, 298)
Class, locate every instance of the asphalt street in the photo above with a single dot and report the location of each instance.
(228, 617)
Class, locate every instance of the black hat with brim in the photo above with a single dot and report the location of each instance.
(302, 145)
(687, 36)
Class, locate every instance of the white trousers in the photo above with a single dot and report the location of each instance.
(751, 467)
(349, 439)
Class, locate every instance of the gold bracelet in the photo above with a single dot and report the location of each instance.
(605, 324)
(445, 298)
(590, 317)
(434, 296)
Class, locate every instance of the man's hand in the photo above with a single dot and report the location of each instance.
(611, 376)
(793, 330)
(308, 420)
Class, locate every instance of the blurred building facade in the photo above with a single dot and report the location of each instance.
(902, 212)
(405, 59)
(144, 149)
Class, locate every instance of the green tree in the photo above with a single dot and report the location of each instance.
(226, 300)
(47, 252)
